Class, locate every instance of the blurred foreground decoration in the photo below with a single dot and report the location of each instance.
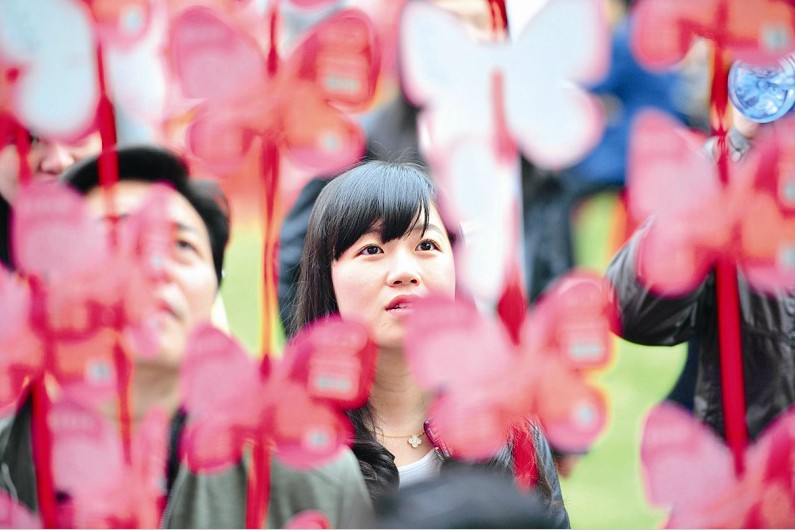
(689, 470)
(754, 33)
(84, 300)
(295, 107)
(485, 385)
(485, 103)
(697, 220)
(294, 406)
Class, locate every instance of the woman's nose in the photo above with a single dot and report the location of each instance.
(404, 270)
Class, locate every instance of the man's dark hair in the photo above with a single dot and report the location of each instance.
(148, 163)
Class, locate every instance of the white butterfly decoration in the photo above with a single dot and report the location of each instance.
(482, 102)
(52, 43)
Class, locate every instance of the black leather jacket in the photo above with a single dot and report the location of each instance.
(767, 330)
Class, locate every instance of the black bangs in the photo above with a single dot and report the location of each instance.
(391, 197)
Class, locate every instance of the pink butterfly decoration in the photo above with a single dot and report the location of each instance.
(104, 489)
(15, 515)
(697, 219)
(689, 471)
(331, 71)
(309, 519)
(485, 384)
(296, 402)
(756, 32)
(79, 290)
(527, 89)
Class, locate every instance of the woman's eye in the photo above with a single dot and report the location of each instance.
(370, 250)
(427, 245)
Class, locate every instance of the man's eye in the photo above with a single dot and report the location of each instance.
(184, 245)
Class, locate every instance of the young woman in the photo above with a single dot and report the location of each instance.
(375, 243)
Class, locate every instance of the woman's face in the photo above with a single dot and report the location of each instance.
(376, 283)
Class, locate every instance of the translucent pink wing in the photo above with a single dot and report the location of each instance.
(80, 437)
(21, 359)
(564, 48)
(53, 233)
(773, 456)
(473, 422)
(334, 361)
(572, 412)
(122, 22)
(766, 251)
(340, 56)
(56, 92)
(759, 32)
(222, 394)
(307, 432)
(673, 182)
(212, 58)
(685, 467)
(450, 346)
(147, 242)
(572, 319)
(567, 335)
(308, 519)
(89, 466)
(332, 70)
(13, 514)
(308, 4)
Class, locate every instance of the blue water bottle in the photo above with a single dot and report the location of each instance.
(763, 93)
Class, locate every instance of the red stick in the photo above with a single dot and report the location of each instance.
(259, 482)
(731, 354)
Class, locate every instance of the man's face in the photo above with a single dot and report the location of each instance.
(47, 160)
(185, 297)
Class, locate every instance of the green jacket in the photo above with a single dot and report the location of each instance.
(215, 500)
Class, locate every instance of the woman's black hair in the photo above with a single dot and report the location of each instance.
(394, 196)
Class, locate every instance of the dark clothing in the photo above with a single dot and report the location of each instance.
(767, 329)
(215, 500)
(5, 233)
(466, 497)
(540, 473)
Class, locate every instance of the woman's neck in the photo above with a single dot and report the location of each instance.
(396, 397)
(399, 408)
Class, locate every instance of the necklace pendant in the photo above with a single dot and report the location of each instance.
(414, 441)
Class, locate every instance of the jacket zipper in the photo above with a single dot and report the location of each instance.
(182, 475)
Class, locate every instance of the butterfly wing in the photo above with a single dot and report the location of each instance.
(52, 42)
(332, 70)
(767, 227)
(222, 394)
(673, 183)
(334, 361)
(564, 48)
(452, 84)
(685, 467)
(566, 337)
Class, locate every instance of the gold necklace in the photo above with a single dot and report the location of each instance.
(414, 440)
